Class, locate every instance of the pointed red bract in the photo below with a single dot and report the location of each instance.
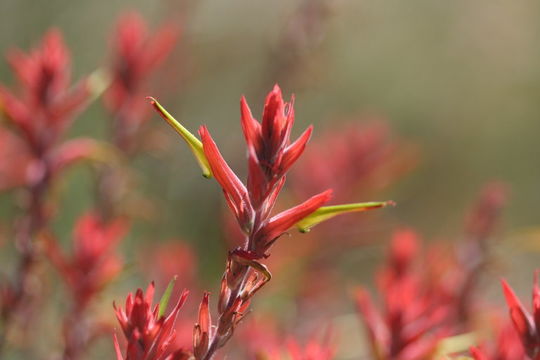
(45, 106)
(234, 190)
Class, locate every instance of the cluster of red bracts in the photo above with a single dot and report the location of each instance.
(413, 319)
(93, 263)
(526, 326)
(136, 54)
(149, 333)
(270, 155)
(41, 112)
(43, 109)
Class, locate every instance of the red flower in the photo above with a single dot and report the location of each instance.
(269, 149)
(526, 325)
(43, 110)
(136, 54)
(149, 334)
(270, 155)
(93, 263)
(413, 319)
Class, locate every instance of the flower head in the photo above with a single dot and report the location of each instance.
(46, 104)
(148, 332)
(526, 325)
(93, 263)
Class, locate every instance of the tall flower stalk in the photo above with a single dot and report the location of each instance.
(39, 115)
(270, 155)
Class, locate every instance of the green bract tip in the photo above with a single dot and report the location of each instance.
(193, 142)
(327, 212)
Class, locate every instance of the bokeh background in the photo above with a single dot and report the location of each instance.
(457, 81)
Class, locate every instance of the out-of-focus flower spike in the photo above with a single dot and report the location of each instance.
(194, 144)
(250, 126)
(378, 336)
(327, 212)
(293, 151)
(164, 301)
(521, 319)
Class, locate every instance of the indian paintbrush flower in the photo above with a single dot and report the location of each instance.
(526, 325)
(148, 331)
(270, 155)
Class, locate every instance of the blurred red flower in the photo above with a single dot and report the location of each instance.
(93, 262)
(136, 53)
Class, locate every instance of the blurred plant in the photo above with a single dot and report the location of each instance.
(148, 331)
(474, 252)
(413, 319)
(38, 117)
(136, 55)
(92, 265)
(270, 155)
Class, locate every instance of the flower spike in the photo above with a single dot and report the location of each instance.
(191, 140)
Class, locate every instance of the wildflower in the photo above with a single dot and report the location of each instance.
(525, 324)
(93, 263)
(136, 54)
(412, 320)
(46, 105)
(270, 156)
(149, 333)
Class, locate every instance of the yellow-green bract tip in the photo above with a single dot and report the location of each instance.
(327, 212)
(191, 140)
(164, 301)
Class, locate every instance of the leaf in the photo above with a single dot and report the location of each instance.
(327, 212)
(164, 301)
(192, 141)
